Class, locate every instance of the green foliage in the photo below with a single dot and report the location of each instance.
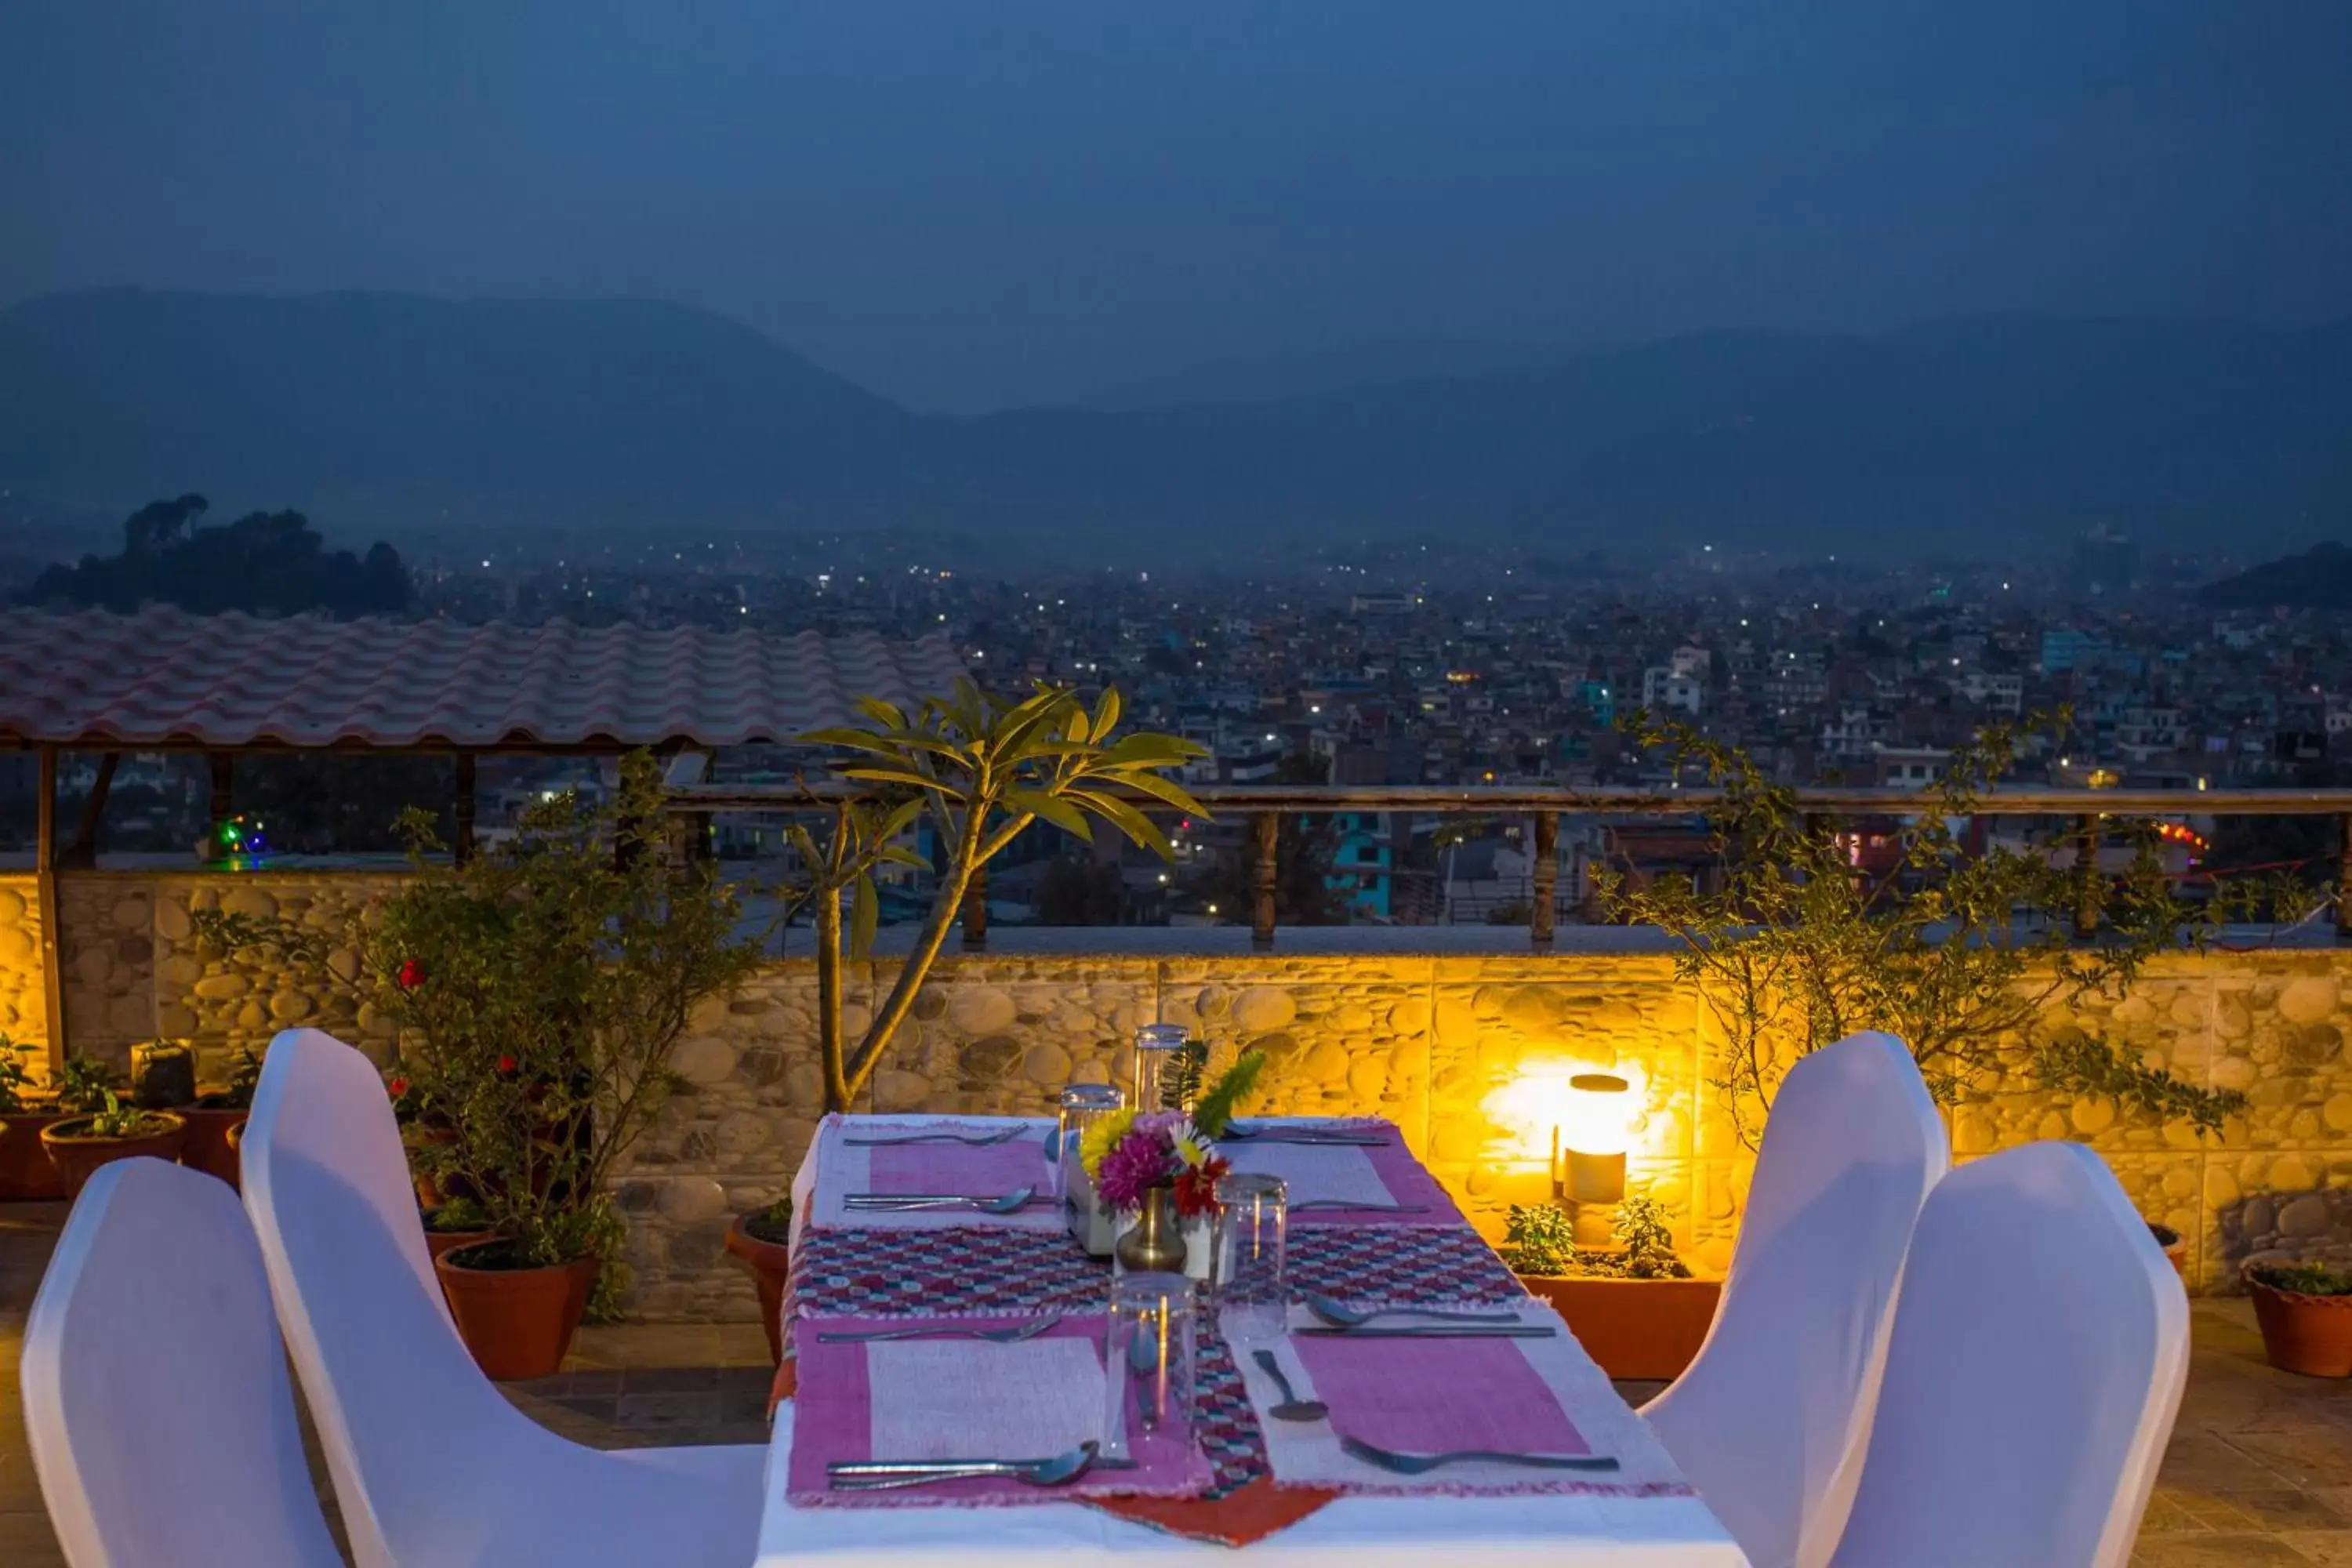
(16, 1078)
(2073, 1060)
(1181, 1075)
(1959, 953)
(87, 1085)
(984, 769)
(2302, 1279)
(1645, 1246)
(1539, 1238)
(114, 1120)
(1212, 1113)
(244, 1077)
(457, 1216)
(540, 990)
(264, 563)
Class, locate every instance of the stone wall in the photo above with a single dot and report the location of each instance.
(1466, 1051)
(24, 1006)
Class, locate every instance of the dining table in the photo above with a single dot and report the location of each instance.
(1369, 1226)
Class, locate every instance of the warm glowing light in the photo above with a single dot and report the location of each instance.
(1597, 1115)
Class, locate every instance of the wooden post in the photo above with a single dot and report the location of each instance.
(2343, 876)
(1269, 834)
(1546, 867)
(83, 851)
(222, 804)
(45, 889)
(461, 808)
(2088, 885)
(975, 912)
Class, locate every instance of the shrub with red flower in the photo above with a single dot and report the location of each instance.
(412, 974)
(507, 1064)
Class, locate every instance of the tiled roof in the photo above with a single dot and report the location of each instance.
(167, 678)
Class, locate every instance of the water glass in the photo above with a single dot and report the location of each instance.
(1252, 1286)
(1147, 1357)
(1082, 1105)
(1158, 1084)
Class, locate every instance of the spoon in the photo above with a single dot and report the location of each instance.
(880, 1474)
(1291, 1407)
(1331, 1311)
(1013, 1336)
(1019, 1198)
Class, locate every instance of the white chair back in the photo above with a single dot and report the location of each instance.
(156, 1402)
(1771, 1420)
(402, 1411)
(2037, 1363)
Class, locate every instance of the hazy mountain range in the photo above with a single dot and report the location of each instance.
(373, 410)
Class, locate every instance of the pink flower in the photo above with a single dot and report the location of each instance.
(1136, 1165)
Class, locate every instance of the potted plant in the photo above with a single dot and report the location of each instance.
(763, 1241)
(80, 1145)
(1635, 1308)
(540, 990)
(163, 1075)
(460, 1222)
(2304, 1310)
(215, 1116)
(2175, 1244)
(24, 1169)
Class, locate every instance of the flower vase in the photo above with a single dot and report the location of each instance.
(1154, 1243)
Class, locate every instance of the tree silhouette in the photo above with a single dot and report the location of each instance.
(266, 563)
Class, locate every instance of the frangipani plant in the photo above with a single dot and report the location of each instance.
(983, 769)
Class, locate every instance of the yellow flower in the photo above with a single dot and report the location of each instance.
(1101, 1138)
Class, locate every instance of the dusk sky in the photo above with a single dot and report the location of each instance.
(969, 205)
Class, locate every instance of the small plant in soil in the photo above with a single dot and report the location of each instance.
(87, 1085)
(244, 1077)
(772, 1224)
(1539, 1239)
(2302, 1279)
(114, 1120)
(16, 1079)
(457, 1217)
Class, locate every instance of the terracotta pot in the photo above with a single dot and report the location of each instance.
(208, 1147)
(1638, 1329)
(25, 1173)
(438, 1242)
(75, 1157)
(2176, 1247)
(2309, 1334)
(517, 1323)
(770, 1263)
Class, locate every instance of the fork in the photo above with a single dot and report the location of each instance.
(1012, 1336)
(1420, 1464)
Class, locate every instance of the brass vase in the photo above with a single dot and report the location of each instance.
(1154, 1243)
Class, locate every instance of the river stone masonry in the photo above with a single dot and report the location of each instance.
(1468, 1053)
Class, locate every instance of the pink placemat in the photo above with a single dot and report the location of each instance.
(960, 1398)
(1444, 1395)
(1385, 1173)
(988, 1169)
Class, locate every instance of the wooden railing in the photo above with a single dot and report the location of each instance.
(1266, 804)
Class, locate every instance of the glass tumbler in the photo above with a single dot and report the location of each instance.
(1253, 1286)
(1147, 1357)
(1081, 1106)
(1162, 1055)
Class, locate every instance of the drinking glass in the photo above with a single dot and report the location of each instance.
(1253, 1221)
(1148, 1361)
(1082, 1105)
(1157, 1047)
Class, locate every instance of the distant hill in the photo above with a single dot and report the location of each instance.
(378, 411)
(2318, 579)
(1284, 378)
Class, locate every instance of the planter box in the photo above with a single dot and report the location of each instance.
(25, 1173)
(2307, 1334)
(208, 1149)
(1638, 1329)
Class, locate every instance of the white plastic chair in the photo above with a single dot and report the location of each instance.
(156, 1402)
(2037, 1364)
(1771, 1420)
(433, 1466)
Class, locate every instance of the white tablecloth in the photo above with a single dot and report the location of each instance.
(1554, 1531)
